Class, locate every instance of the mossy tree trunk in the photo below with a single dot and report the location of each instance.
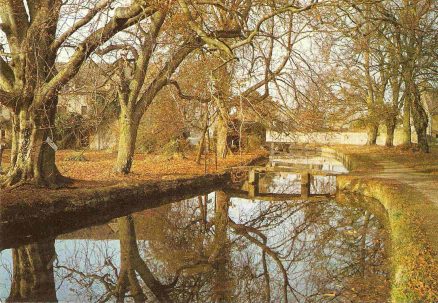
(408, 78)
(14, 138)
(202, 147)
(372, 124)
(420, 119)
(407, 136)
(33, 159)
(222, 137)
(222, 83)
(33, 279)
(414, 107)
(393, 109)
(134, 95)
(128, 129)
(372, 132)
(390, 130)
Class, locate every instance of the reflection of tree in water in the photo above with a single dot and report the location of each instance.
(323, 185)
(289, 183)
(132, 265)
(280, 183)
(32, 279)
(238, 251)
(348, 260)
(132, 279)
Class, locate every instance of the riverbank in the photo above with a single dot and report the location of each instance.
(406, 184)
(38, 212)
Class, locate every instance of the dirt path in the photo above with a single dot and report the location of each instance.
(426, 183)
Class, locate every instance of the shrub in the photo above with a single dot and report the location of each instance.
(176, 146)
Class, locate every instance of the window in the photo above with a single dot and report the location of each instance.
(83, 110)
(2, 133)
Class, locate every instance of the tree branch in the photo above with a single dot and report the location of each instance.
(291, 8)
(87, 18)
(123, 18)
(202, 34)
(141, 65)
(15, 19)
(6, 75)
(166, 72)
(7, 99)
(184, 96)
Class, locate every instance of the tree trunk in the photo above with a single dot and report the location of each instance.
(202, 143)
(32, 158)
(372, 124)
(393, 109)
(221, 137)
(421, 121)
(1, 157)
(15, 130)
(390, 129)
(33, 279)
(201, 149)
(128, 128)
(406, 138)
(372, 131)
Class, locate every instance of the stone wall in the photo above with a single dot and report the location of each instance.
(332, 138)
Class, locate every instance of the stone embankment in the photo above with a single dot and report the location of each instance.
(412, 210)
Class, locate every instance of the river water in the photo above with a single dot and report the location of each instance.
(219, 247)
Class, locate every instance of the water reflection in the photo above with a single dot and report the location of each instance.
(32, 273)
(211, 248)
(308, 160)
(290, 183)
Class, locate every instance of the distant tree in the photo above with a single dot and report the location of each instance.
(384, 50)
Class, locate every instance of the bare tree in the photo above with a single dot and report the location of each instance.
(30, 80)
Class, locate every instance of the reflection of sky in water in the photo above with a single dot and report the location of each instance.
(280, 183)
(82, 255)
(5, 273)
(316, 242)
(290, 183)
(280, 222)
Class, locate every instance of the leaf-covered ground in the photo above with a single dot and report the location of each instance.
(98, 165)
(93, 170)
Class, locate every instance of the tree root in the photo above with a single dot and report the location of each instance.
(17, 178)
